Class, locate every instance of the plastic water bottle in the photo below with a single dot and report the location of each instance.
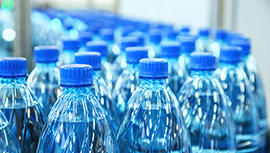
(203, 40)
(100, 89)
(249, 65)
(44, 79)
(108, 36)
(140, 37)
(19, 104)
(70, 48)
(84, 37)
(154, 41)
(187, 46)
(214, 47)
(77, 122)
(129, 79)
(184, 30)
(236, 86)
(205, 108)
(153, 121)
(177, 73)
(171, 35)
(120, 62)
(107, 71)
(9, 142)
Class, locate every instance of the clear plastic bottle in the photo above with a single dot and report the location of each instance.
(9, 142)
(44, 78)
(187, 46)
(237, 87)
(70, 48)
(129, 79)
(19, 104)
(84, 37)
(155, 38)
(249, 65)
(120, 62)
(108, 36)
(77, 122)
(107, 71)
(177, 73)
(153, 121)
(205, 108)
(140, 37)
(214, 47)
(203, 40)
(100, 88)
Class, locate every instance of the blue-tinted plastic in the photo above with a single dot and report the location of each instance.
(249, 65)
(153, 44)
(153, 121)
(104, 96)
(108, 36)
(107, 73)
(208, 118)
(23, 112)
(67, 55)
(125, 86)
(77, 123)
(236, 86)
(8, 141)
(203, 41)
(120, 62)
(44, 82)
(177, 73)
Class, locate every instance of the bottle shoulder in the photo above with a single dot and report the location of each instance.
(16, 95)
(77, 106)
(44, 76)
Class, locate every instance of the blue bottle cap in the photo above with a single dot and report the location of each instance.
(89, 58)
(155, 36)
(71, 44)
(202, 61)
(232, 35)
(170, 49)
(153, 68)
(126, 30)
(76, 75)
(135, 54)
(185, 29)
(46, 54)
(13, 67)
(128, 42)
(171, 33)
(143, 26)
(244, 43)
(107, 34)
(204, 32)
(221, 34)
(84, 37)
(98, 46)
(140, 37)
(230, 54)
(187, 44)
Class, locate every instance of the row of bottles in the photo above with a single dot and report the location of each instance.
(144, 93)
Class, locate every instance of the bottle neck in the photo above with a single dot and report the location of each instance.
(17, 80)
(104, 59)
(202, 73)
(46, 65)
(147, 81)
(133, 65)
(96, 73)
(226, 64)
(77, 90)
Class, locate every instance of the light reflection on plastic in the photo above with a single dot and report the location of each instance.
(73, 33)
(56, 23)
(9, 34)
